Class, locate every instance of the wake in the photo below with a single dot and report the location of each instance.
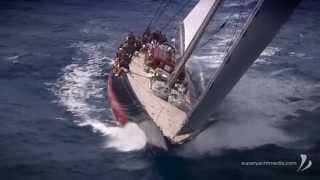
(82, 89)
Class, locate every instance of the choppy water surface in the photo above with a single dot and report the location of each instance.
(56, 123)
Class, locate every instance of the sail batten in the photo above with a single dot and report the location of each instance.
(260, 28)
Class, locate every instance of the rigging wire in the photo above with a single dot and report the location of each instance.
(242, 3)
(217, 31)
(163, 10)
(220, 28)
(171, 20)
(234, 34)
(237, 28)
(159, 12)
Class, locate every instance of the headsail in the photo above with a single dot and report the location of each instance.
(191, 31)
(194, 20)
(259, 30)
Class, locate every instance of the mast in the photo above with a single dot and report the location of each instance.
(181, 38)
(259, 30)
(194, 26)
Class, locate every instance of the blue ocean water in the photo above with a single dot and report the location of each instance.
(56, 123)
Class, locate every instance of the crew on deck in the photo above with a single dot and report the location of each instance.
(146, 37)
(132, 44)
(158, 37)
(124, 55)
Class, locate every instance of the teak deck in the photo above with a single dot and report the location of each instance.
(166, 116)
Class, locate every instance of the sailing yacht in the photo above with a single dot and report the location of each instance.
(153, 91)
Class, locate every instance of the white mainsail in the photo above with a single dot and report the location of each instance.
(193, 27)
(194, 20)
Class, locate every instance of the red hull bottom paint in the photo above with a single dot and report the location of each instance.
(118, 111)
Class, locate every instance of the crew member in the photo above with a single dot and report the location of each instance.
(146, 37)
(162, 38)
(131, 39)
(155, 36)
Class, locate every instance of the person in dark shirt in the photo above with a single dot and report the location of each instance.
(146, 37)
(125, 64)
(162, 38)
(131, 39)
(156, 36)
(138, 44)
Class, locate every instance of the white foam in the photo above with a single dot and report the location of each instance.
(253, 113)
(241, 3)
(127, 138)
(11, 58)
(254, 110)
(80, 83)
(270, 51)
